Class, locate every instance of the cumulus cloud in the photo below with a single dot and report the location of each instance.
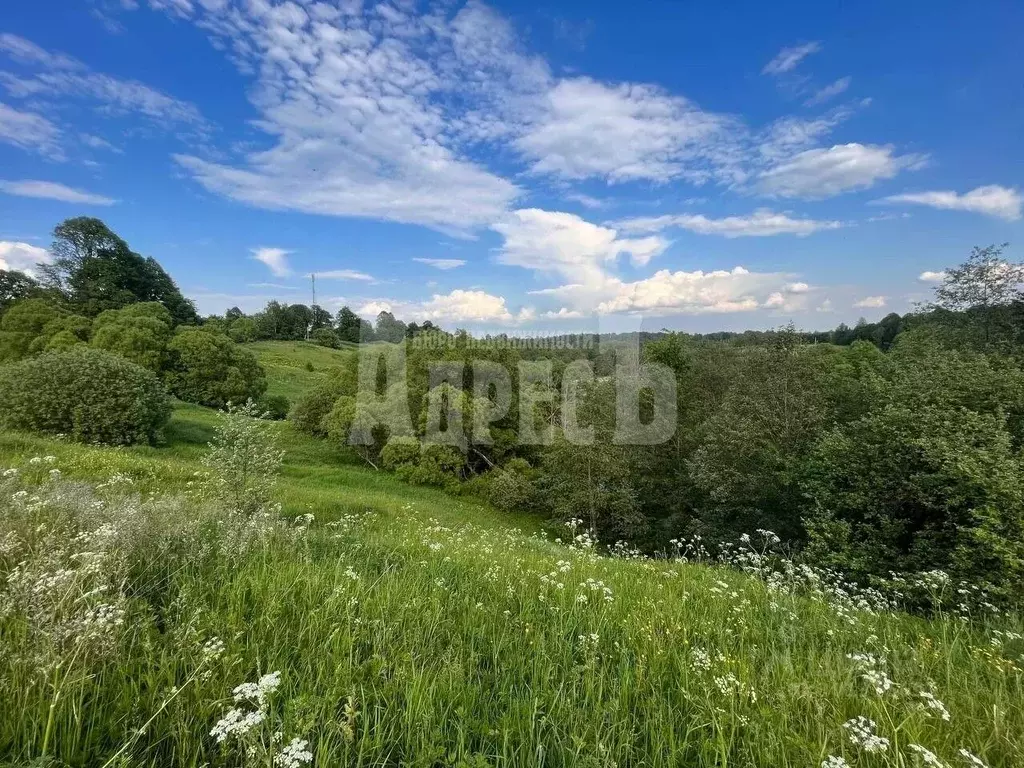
(761, 223)
(820, 173)
(564, 243)
(458, 306)
(787, 59)
(992, 200)
(931, 277)
(22, 257)
(870, 302)
(50, 190)
(276, 260)
(698, 292)
(441, 263)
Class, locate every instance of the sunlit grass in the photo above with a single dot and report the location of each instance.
(413, 628)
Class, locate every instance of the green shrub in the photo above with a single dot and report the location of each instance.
(210, 369)
(139, 332)
(438, 465)
(22, 323)
(88, 394)
(275, 406)
(309, 412)
(325, 337)
(400, 451)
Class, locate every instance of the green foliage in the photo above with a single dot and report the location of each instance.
(87, 394)
(210, 369)
(15, 286)
(438, 465)
(94, 270)
(274, 406)
(350, 327)
(244, 461)
(400, 451)
(243, 330)
(325, 337)
(139, 332)
(309, 412)
(22, 323)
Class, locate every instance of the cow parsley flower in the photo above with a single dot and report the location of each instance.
(294, 755)
(834, 762)
(928, 757)
(862, 734)
(972, 759)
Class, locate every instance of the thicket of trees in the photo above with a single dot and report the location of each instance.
(98, 293)
(879, 454)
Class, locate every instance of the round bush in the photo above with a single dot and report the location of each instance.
(210, 369)
(88, 394)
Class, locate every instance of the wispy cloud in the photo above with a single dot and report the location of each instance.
(30, 131)
(760, 223)
(787, 59)
(820, 173)
(870, 302)
(992, 200)
(441, 263)
(346, 274)
(50, 190)
(830, 91)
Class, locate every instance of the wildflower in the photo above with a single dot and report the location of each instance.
(237, 723)
(213, 649)
(972, 759)
(932, 703)
(259, 691)
(862, 734)
(294, 755)
(927, 757)
(834, 762)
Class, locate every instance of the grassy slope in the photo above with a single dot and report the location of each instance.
(463, 642)
(285, 363)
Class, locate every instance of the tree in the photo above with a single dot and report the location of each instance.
(23, 323)
(982, 291)
(139, 332)
(210, 369)
(350, 327)
(388, 328)
(15, 286)
(94, 270)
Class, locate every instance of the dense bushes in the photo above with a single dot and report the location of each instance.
(210, 369)
(87, 394)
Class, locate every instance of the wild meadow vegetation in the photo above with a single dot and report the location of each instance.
(821, 566)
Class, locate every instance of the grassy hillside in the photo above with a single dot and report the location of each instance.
(411, 628)
(286, 363)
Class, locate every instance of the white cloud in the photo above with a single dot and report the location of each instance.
(761, 223)
(788, 58)
(825, 306)
(22, 257)
(698, 292)
(275, 258)
(360, 113)
(27, 52)
(819, 173)
(829, 91)
(27, 130)
(931, 277)
(459, 306)
(563, 313)
(870, 302)
(49, 190)
(563, 243)
(992, 200)
(621, 133)
(346, 274)
(585, 200)
(66, 76)
(97, 142)
(441, 263)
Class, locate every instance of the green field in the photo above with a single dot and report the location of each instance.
(286, 364)
(413, 628)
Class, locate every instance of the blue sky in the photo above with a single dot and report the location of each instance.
(523, 166)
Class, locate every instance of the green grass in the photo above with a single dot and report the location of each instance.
(412, 628)
(286, 364)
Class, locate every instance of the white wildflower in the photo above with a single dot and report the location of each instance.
(294, 755)
(862, 734)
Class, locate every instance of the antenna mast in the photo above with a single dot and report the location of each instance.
(312, 278)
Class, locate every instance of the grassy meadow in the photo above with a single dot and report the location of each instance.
(412, 628)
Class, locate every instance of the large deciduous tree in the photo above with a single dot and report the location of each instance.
(94, 270)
